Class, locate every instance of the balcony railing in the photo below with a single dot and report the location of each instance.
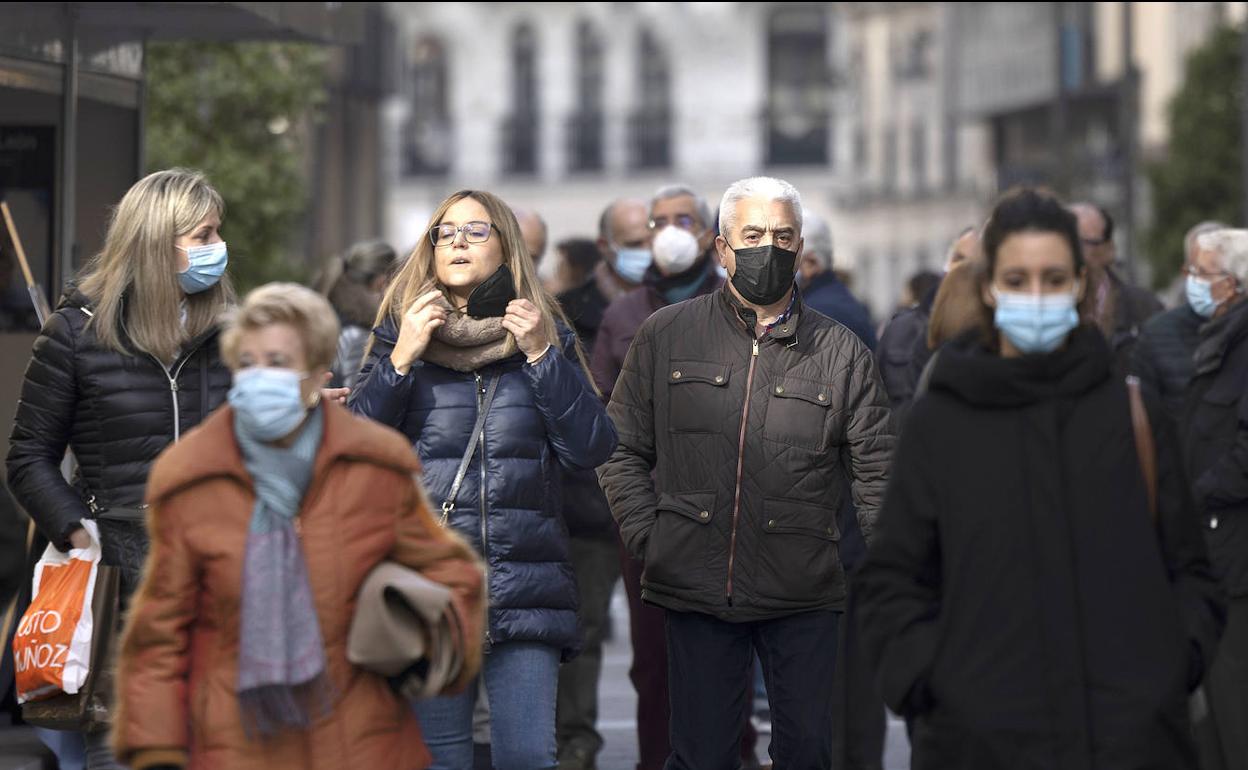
(427, 146)
(585, 141)
(796, 137)
(520, 140)
(650, 139)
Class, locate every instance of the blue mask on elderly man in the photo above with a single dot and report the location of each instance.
(268, 401)
(632, 264)
(207, 265)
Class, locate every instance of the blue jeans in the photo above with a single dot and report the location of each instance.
(521, 679)
(68, 747)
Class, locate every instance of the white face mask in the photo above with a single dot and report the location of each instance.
(675, 250)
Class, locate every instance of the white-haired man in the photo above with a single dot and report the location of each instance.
(821, 289)
(1162, 357)
(1215, 433)
(740, 415)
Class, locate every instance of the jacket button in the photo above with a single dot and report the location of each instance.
(830, 531)
(676, 375)
(779, 389)
(719, 378)
(1213, 523)
(822, 397)
(771, 523)
(705, 514)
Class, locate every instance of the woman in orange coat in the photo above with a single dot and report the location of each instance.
(264, 523)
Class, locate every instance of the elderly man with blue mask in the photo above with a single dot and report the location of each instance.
(1162, 357)
(1214, 427)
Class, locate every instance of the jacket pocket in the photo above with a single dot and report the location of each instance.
(697, 396)
(679, 545)
(797, 413)
(799, 556)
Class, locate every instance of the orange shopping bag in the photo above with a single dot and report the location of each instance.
(52, 645)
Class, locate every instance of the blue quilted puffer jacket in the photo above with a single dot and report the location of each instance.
(544, 418)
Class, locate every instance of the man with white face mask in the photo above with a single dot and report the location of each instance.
(682, 242)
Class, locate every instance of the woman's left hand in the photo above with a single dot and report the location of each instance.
(524, 321)
(334, 394)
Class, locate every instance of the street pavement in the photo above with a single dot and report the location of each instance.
(617, 705)
(19, 750)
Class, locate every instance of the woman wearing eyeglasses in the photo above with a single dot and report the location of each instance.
(473, 360)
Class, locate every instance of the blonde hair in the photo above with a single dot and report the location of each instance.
(132, 283)
(307, 312)
(419, 273)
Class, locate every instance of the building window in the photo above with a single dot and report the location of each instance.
(799, 77)
(427, 133)
(520, 129)
(888, 171)
(650, 126)
(860, 148)
(918, 156)
(586, 124)
(950, 154)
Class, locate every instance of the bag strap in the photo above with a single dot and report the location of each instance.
(203, 386)
(448, 505)
(1145, 447)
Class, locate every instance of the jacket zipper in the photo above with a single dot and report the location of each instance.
(485, 543)
(736, 500)
(173, 393)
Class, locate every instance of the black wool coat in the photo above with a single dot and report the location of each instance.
(1018, 600)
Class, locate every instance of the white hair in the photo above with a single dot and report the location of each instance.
(1231, 246)
(680, 191)
(1189, 240)
(818, 238)
(765, 187)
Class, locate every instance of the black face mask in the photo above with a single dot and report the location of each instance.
(491, 297)
(764, 274)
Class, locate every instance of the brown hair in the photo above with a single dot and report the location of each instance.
(307, 312)
(132, 283)
(958, 306)
(419, 273)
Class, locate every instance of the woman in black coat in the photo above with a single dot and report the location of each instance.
(1024, 609)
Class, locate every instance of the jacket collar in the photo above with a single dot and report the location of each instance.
(784, 331)
(1217, 336)
(215, 451)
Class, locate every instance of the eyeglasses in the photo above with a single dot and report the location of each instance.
(1198, 273)
(683, 221)
(1095, 241)
(474, 232)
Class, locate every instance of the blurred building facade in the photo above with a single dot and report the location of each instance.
(898, 121)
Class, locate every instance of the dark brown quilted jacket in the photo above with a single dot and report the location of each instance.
(733, 454)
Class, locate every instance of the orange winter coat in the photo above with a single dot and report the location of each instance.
(178, 662)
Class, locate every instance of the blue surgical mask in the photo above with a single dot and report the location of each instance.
(268, 402)
(632, 264)
(1036, 323)
(207, 266)
(1200, 296)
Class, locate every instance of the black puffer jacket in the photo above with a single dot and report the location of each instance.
(1018, 600)
(1216, 439)
(740, 520)
(117, 413)
(1162, 356)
